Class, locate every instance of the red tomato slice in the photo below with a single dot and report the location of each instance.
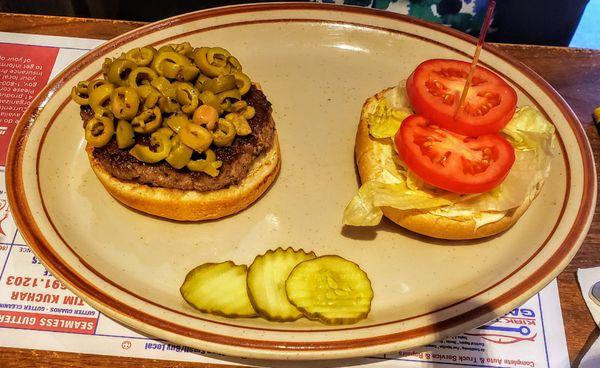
(434, 90)
(451, 161)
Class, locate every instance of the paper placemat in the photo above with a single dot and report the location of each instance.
(37, 312)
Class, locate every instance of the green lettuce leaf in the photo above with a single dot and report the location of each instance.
(518, 185)
(361, 211)
(535, 144)
(385, 121)
(401, 197)
(365, 208)
(529, 132)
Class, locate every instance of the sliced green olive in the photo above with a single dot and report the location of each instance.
(240, 123)
(124, 102)
(184, 48)
(225, 98)
(187, 96)
(206, 67)
(196, 137)
(226, 105)
(163, 85)
(147, 121)
(235, 63)
(217, 56)
(200, 80)
(169, 69)
(232, 93)
(141, 76)
(209, 98)
(182, 73)
(169, 63)
(241, 107)
(82, 86)
(106, 66)
(180, 154)
(187, 73)
(172, 56)
(125, 134)
(168, 105)
(219, 84)
(92, 85)
(99, 131)
(119, 71)
(149, 95)
(165, 131)
(165, 48)
(140, 56)
(100, 96)
(225, 133)
(104, 112)
(242, 82)
(249, 113)
(159, 149)
(177, 122)
(79, 93)
(208, 165)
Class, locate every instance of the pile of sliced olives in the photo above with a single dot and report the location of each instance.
(185, 99)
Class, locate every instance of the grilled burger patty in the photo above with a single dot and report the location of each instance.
(236, 158)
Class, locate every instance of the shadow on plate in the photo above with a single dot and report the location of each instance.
(367, 233)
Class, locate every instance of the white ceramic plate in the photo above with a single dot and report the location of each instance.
(316, 64)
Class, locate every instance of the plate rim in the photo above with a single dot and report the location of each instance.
(33, 235)
(98, 274)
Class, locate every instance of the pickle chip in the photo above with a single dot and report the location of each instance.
(266, 283)
(330, 289)
(218, 288)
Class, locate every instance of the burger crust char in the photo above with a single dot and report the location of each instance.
(419, 221)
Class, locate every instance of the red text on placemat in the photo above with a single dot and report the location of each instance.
(47, 322)
(24, 71)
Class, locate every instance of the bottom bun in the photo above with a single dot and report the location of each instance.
(450, 228)
(191, 205)
(370, 166)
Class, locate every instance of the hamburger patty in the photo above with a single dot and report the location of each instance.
(236, 158)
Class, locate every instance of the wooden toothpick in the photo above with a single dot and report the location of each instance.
(484, 29)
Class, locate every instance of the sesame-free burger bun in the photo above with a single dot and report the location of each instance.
(370, 165)
(192, 205)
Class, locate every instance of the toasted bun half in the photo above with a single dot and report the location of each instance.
(191, 205)
(370, 165)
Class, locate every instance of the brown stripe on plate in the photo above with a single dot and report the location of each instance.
(35, 238)
(109, 281)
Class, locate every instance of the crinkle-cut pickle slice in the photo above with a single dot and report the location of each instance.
(218, 288)
(266, 283)
(330, 289)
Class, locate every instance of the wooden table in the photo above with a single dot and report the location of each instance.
(574, 73)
